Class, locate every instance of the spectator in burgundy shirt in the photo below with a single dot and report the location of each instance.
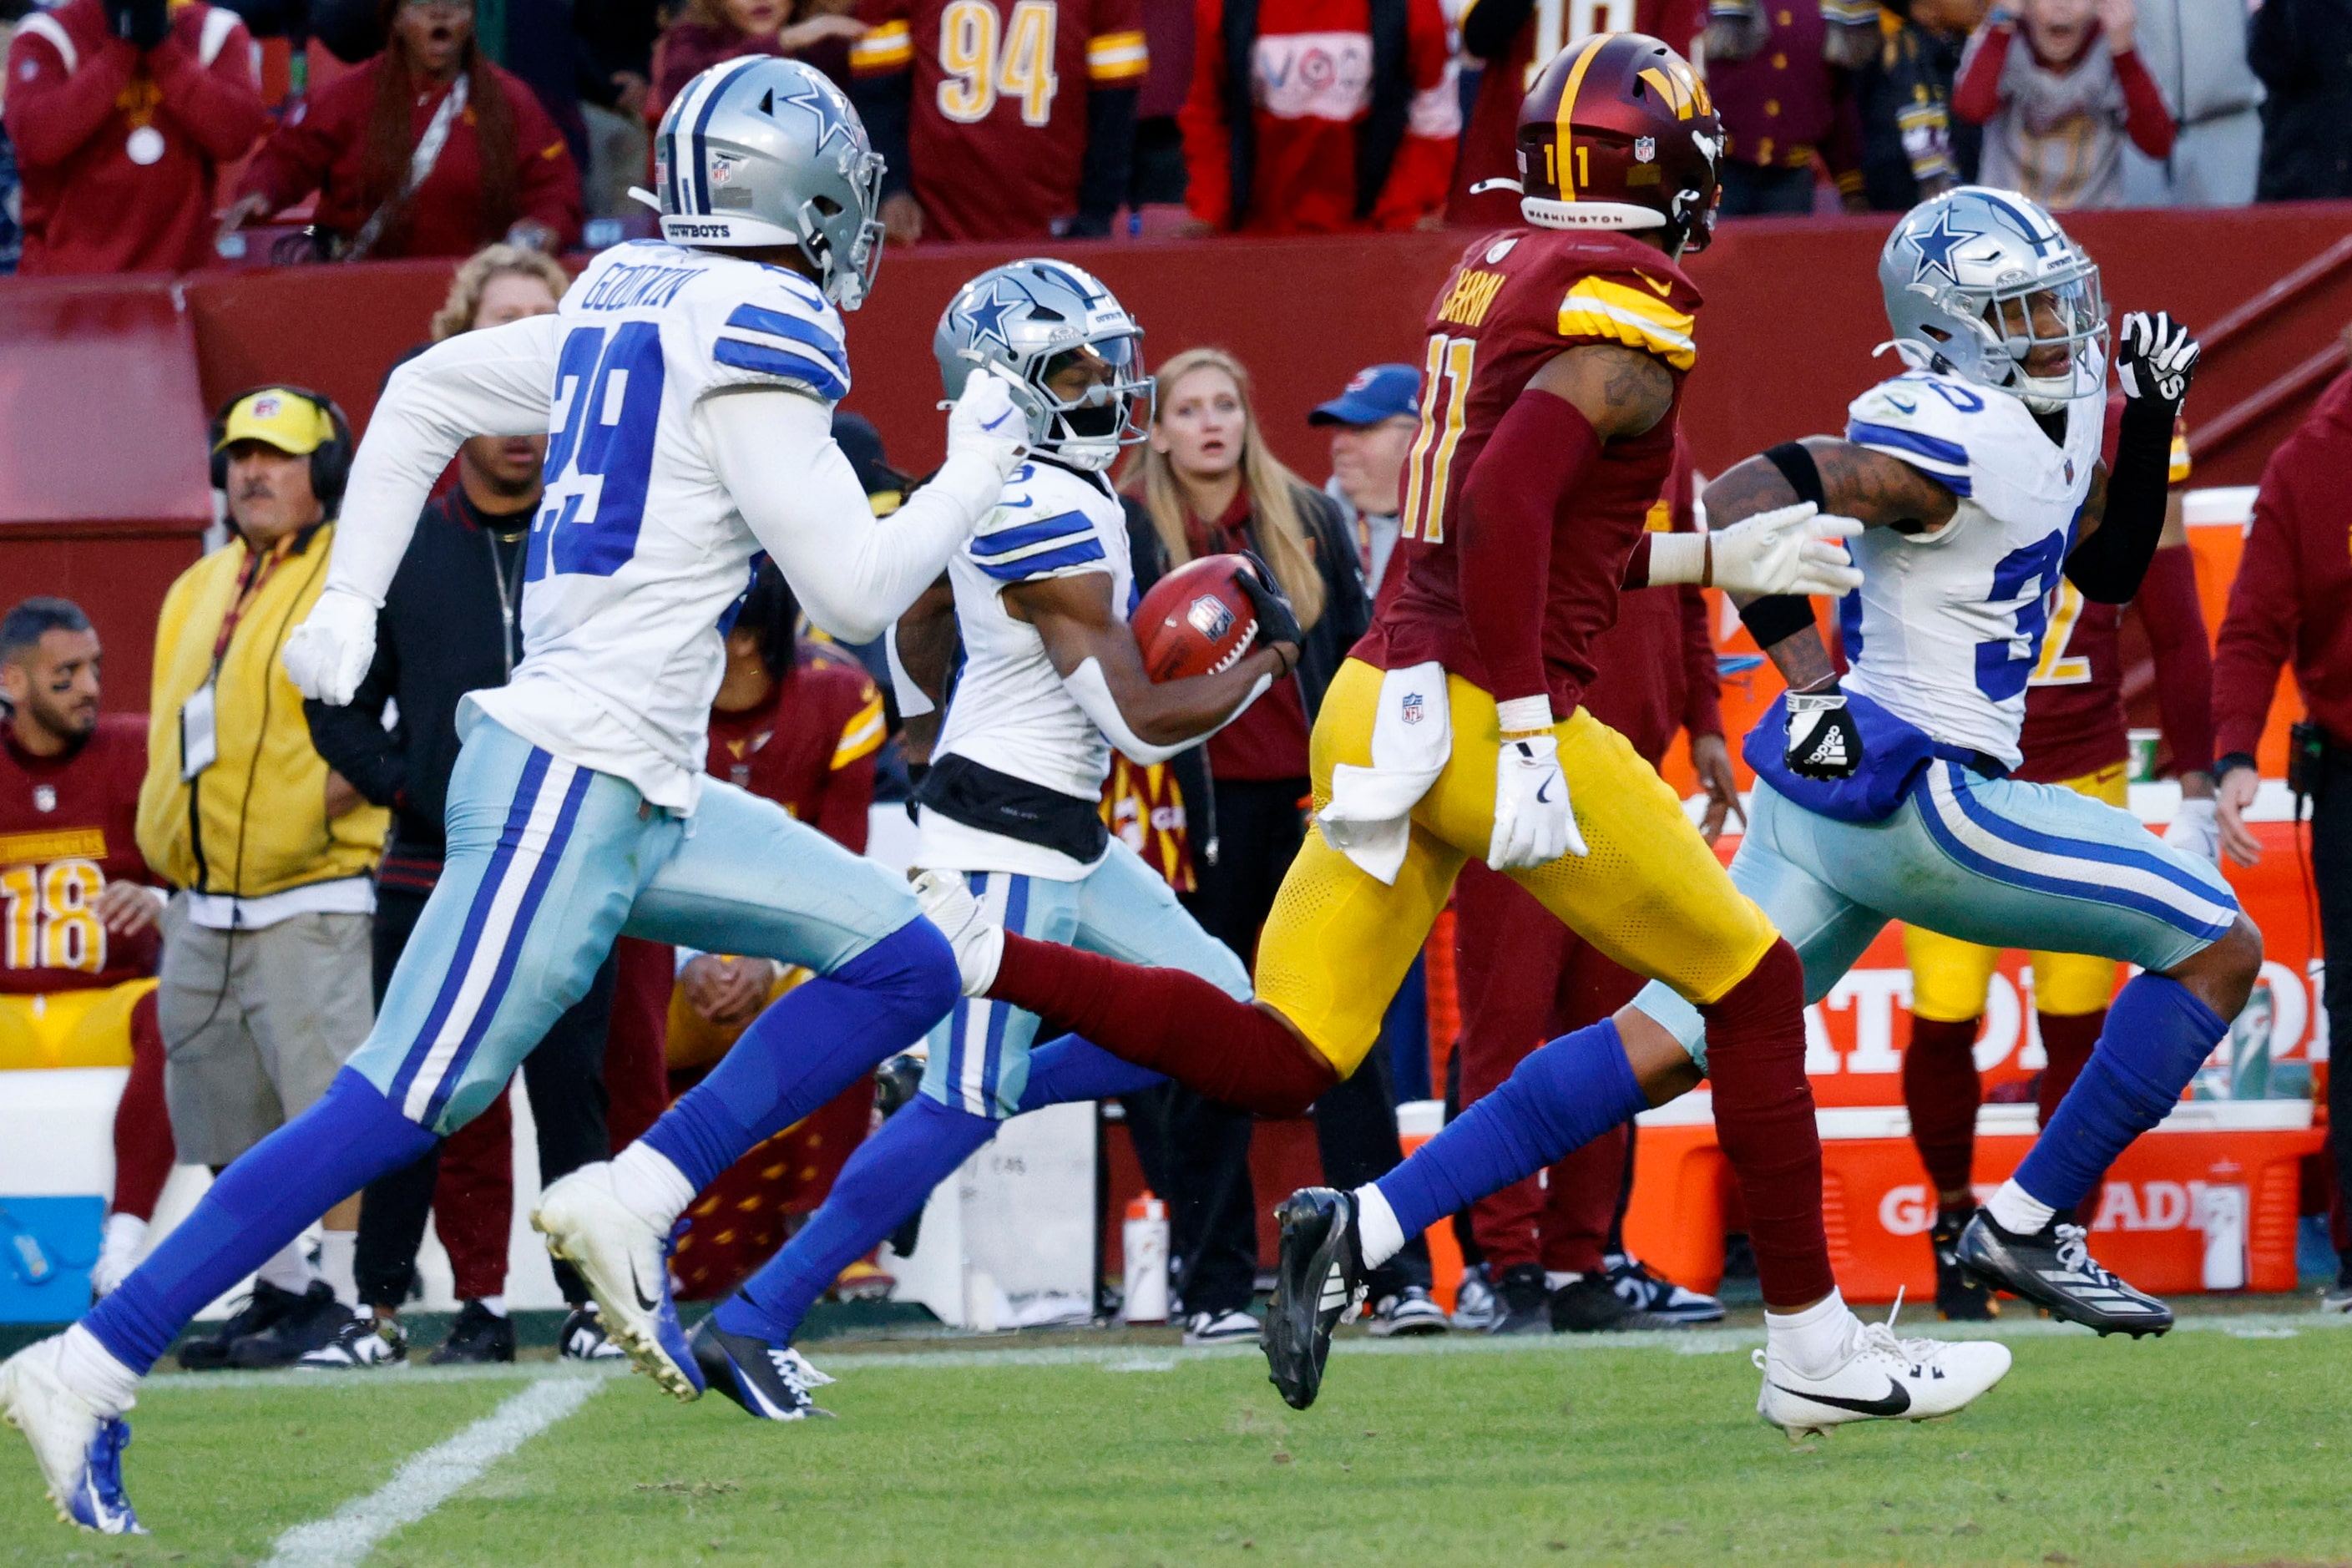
(2055, 113)
(711, 31)
(1320, 116)
(999, 119)
(502, 170)
(122, 113)
(1209, 485)
(2288, 602)
(1773, 67)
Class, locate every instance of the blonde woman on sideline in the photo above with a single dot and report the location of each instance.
(497, 284)
(1206, 484)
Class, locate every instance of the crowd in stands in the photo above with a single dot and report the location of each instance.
(138, 136)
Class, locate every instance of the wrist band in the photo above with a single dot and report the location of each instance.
(1777, 616)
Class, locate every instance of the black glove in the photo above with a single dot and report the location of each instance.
(144, 23)
(2155, 358)
(1823, 741)
(1276, 621)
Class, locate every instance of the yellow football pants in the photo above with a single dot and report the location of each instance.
(70, 1028)
(1948, 976)
(1651, 895)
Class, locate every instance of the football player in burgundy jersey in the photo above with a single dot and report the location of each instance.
(2074, 736)
(79, 934)
(1552, 378)
(1000, 119)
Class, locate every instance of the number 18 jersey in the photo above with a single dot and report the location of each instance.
(637, 550)
(1947, 626)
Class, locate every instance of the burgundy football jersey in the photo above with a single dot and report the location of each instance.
(1516, 299)
(809, 747)
(997, 130)
(66, 830)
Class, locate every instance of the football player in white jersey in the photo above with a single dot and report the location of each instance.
(686, 386)
(1051, 680)
(1884, 795)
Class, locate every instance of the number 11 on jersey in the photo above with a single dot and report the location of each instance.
(1444, 400)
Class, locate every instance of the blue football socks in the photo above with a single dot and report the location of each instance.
(891, 1176)
(1562, 1097)
(264, 1200)
(808, 1048)
(2158, 1034)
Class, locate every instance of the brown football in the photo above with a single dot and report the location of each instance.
(1196, 620)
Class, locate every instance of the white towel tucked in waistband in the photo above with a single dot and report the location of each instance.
(1370, 819)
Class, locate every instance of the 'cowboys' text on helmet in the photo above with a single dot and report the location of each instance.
(761, 152)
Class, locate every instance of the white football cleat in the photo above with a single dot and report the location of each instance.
(978, 940)
(624, 1262)
(79, 1451)
(1880, 1378)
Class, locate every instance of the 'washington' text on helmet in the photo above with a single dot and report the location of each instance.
(763, 152)
(1618, 132)
(1038, 320)
(1984, 285)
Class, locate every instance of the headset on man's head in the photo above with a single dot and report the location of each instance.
(331, 463)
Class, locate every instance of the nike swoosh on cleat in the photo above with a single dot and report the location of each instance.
(650, 1304)
(1897, 1400)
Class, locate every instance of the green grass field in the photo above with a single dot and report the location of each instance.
(2229, 1442)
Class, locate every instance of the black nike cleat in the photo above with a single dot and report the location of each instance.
(1958, 1299)
(771, 1382)
(1318, 1276)
(2053, 1269)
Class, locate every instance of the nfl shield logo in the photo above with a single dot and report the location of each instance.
(1209, 616)
(2070, 470)
(45, 797)
(266, 406)
(1646, 149)
(1412, 706)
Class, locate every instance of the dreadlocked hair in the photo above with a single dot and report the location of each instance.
(390, 140)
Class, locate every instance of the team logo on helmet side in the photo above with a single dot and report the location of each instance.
(823, 102)
(984, 311)
(1935, 246)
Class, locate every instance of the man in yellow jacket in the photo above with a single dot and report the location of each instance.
(265, 976)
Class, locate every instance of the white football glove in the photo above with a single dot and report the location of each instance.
(986, 423)
(1533, 823)
(330, 652)
(1788, 550)
(2196, 830)
(2155, 357)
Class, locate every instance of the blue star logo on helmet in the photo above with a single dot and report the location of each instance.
(1934, 247)
(984, 314)
(820, 104)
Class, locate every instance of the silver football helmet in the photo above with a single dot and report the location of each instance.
(760, 150)
(1038, 320)
(1983, 284)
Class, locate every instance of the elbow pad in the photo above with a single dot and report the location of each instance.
(1087, 687)
(2109, 565)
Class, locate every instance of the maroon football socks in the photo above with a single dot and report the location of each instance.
(1168, 1020)
(1764, 1118)
(1941, 1091)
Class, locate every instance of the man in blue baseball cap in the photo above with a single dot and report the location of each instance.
(1373, 425)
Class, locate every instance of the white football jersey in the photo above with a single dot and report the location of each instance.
(1947, 626)
(637, 550)
(1010, 710)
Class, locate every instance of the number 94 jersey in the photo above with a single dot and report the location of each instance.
(1947, 626)
(1515, 299)
(637, 551)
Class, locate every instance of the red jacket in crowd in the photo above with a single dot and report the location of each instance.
(686, 49)
(1315, 95)
(322, 147)
(2293, 582)
(118, 148)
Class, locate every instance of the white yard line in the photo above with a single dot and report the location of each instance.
(430, 1479)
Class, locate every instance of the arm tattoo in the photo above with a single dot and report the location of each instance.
(1637, 391)
(1880, 490)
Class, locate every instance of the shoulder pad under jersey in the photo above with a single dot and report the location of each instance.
(1927, 420)
(1045, 524)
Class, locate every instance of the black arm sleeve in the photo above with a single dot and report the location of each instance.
(352, 738)
(1777, 616)
(2109, 565)
(1110, 158)
(886, 103)
(1488, 29)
